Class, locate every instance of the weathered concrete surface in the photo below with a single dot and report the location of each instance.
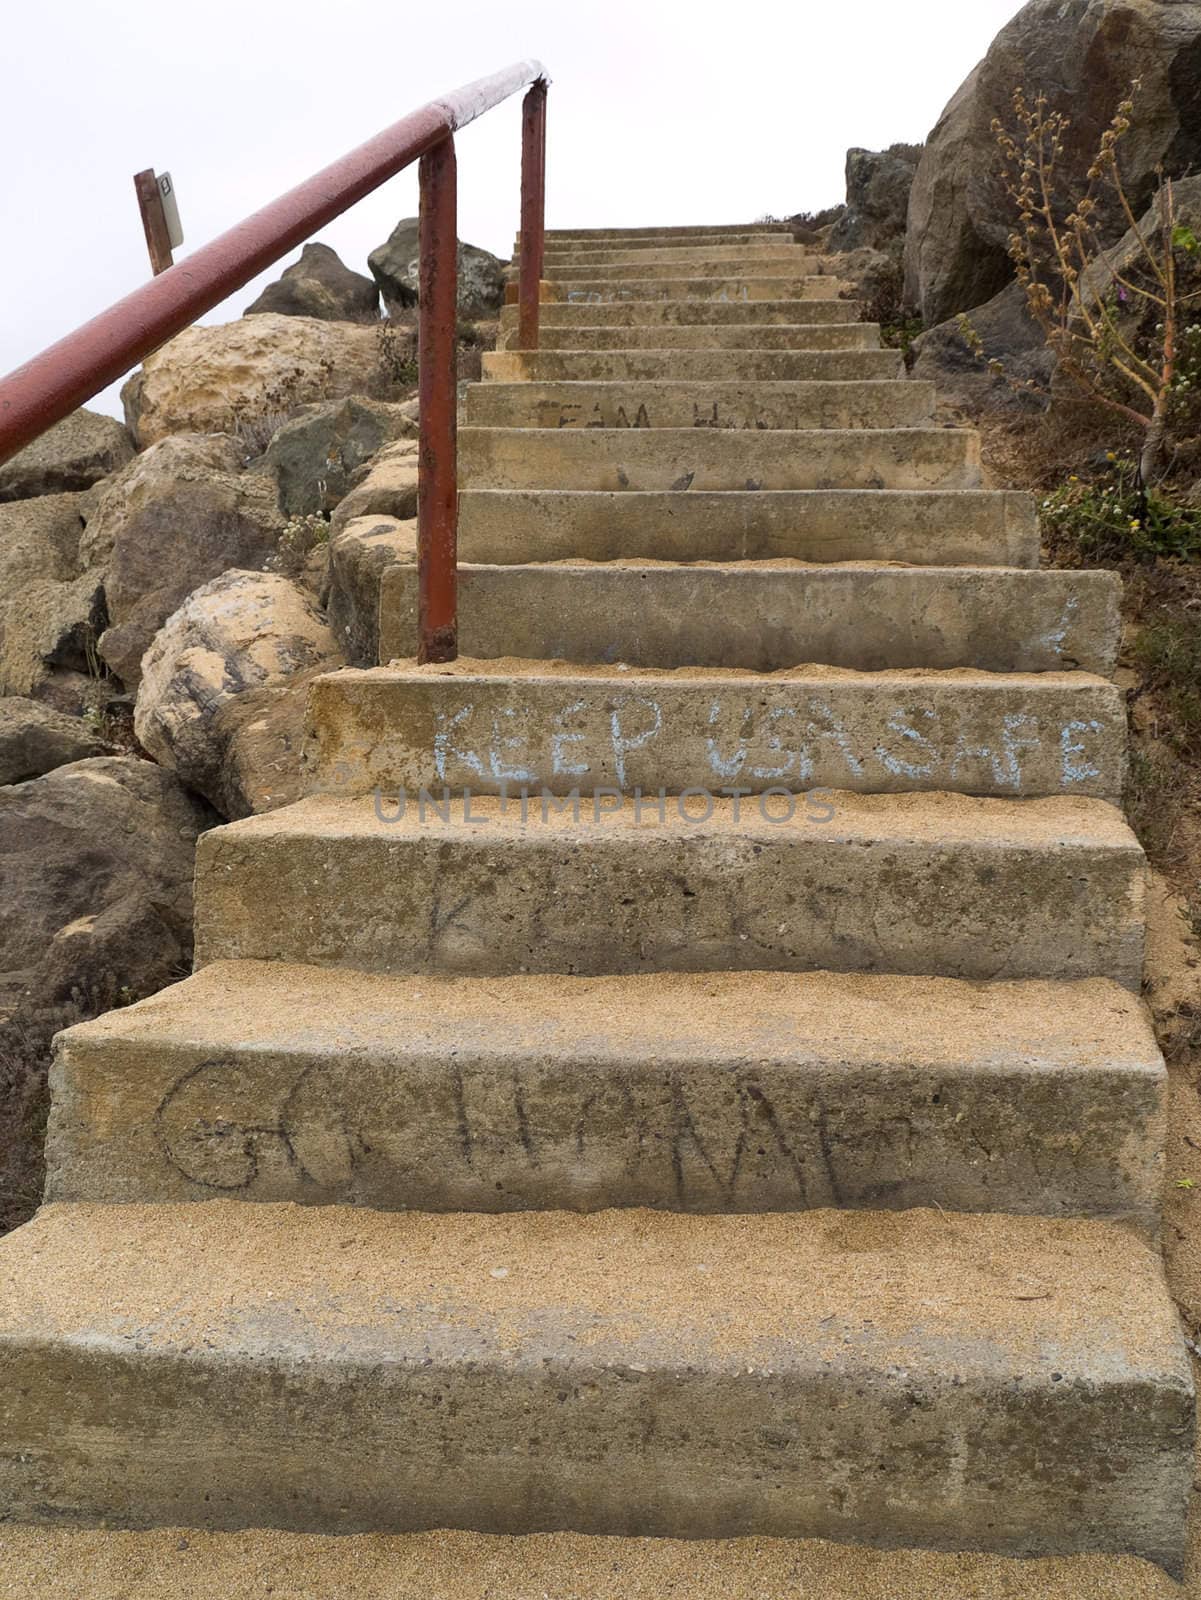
(932, 884)
(493, 725)
(652, 264)
(777, 256)
(747, 336)
(780, 366)
(680, 231)
(235, 1365)
(626, 313)
(698, 405)
(760, 286)
(982, 528)
(762, 618)
(715, 1093)
(557, 249)
(683, 459)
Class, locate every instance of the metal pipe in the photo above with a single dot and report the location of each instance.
(52, 384)
(437, 465)
(533, 214)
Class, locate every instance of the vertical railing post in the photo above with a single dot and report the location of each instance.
(437, 466)
(533, 213)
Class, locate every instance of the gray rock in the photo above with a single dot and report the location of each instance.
(1085, 54)
(878, 186)
(314, 457)
(183, 512)
(51, 602)
(394, 267)
(35, 739)
(320, 285)
(95, 912)
(72, 455)
(244, 632)
(1008, 334)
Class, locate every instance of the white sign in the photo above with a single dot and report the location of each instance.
(170, 209)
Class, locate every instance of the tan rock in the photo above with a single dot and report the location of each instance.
(359, 555)
(249, 376)
(244, 632)
(179, 515)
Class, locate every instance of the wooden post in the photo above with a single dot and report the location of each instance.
(150, 203)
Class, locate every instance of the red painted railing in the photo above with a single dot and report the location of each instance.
(53, 384)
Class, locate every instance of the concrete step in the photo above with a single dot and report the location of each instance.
(931, 884)
(688, 231)
(657, 264)
(731, 336)
(43, 1563)
(937, 528)
(692, 366)
(681, 459)
(666, 404)
(771, 257)
(762, 617)
(744, 1092)
(708, 313)
(556, 246)
(332, 1369)
(760, 287)
(489, 725)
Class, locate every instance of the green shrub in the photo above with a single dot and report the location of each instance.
(1113, 517)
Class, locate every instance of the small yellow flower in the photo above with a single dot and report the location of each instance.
(1135, 525)
(1073, 479)
(1111, 456)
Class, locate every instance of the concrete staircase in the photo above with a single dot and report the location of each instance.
(681, 1070)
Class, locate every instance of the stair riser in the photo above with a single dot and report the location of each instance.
(602, 1441)
(703, 459)
(976, 529)
(683, 259)
(819, 336)
(548, 1128)
(557, 249)
(712, 290)
(684, 405)
(573, 733)
(778, 230)
(712, 313)
(762, 621)
(645, 264)
(470, 898)
(692, 366)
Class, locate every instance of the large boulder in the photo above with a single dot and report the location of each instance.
(314, 458)
(248, 377)
(51, 601)
(394, 266)
(96, 863)
(181, 513)
(35, 739)
(1007, 334)
(878, 186)
(320, 285)
(74, 454)
(245, 631)
(1084, 54)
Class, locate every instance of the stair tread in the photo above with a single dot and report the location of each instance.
(1033, 1026)
(1052, 822)
(41, 1563)
(1009, 1300)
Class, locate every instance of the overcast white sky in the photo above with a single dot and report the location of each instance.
(661, 111)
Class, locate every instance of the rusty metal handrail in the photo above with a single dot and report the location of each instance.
(50, 386)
